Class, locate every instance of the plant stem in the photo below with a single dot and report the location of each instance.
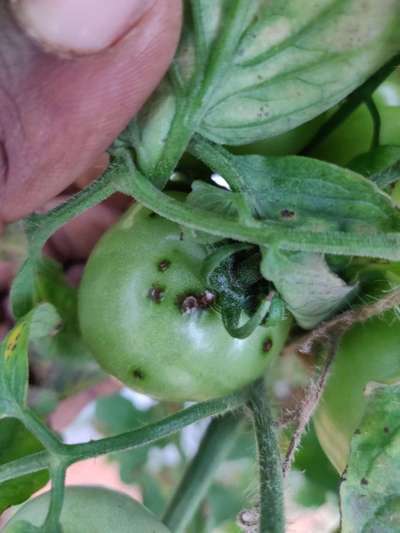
(272, 517)
(310, 403)
(52, 522)
(158, 430)
(383, 245)
(215, 445)
(376, 120)
(40, 227)
(353, 100)
(217, 158)
(211, 69)
(33, 423)
(126, 441)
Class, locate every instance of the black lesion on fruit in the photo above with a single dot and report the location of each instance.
(191, 302)
(164, 265)
(288, 214)
(156, 294)
(267, 345)
(137, 373)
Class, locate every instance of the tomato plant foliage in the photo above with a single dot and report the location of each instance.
(272, 249)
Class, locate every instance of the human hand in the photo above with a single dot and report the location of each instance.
(72, 74)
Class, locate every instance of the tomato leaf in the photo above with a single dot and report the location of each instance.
(381, 165)
(248, 71)
(15, 442)
(309, 193)
(370, 493)
(14, 355)
(312, 292)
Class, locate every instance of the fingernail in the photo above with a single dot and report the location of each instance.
(77, 27)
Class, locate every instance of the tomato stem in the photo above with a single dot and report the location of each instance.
(214, 447)
(271, 508)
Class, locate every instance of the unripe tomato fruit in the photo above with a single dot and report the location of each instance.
(91, 510)
(368, 352)
(149, 320)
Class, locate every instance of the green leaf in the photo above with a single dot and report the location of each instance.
(310, 193)
(251, 70)
(312, 292)
(39, 322)
(381, 165)
(16, 442)
(43, 280)
(370, 493)
(214, 199)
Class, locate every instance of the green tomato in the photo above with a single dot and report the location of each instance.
(290, 142)
(368, 352)
(146, 314)
(354, 136)
(90, 510)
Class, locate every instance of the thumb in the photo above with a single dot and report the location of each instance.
(60, 111)
(77, 27)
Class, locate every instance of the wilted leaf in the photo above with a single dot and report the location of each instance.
(310, 289)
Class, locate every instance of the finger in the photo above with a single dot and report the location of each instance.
(59, 115)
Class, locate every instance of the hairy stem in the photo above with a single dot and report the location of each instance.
(329, 335)
(126, 441)
(385, 246)
(215, 445)
(309, 404)
(341, 323)
(271, 509)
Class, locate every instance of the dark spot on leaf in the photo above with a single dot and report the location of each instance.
(164, 265)
(138, 373)
(181, 236)
(386, 429)
(153, 215)
(357, 431)
(156, 294)
(267, 345)
(287, 214)
(364, 481)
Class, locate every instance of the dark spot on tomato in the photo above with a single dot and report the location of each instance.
(156, 294)
(288, 214)
(267, 345)
(138, 373)
(357, 432)
(386, 429)
(164, 265)
(364, 481)
(206, 299)
(189, 304)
